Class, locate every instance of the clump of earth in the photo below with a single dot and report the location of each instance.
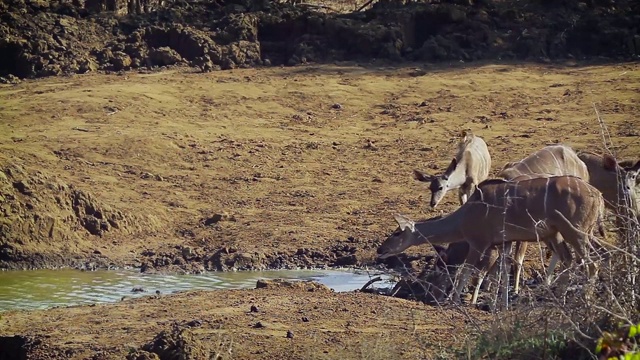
(44, 220)
(46, 38)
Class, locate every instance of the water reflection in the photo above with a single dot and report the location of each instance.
(40, 289)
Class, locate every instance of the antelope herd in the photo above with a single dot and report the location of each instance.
(555, 195)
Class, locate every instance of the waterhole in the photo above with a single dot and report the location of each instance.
(42, 289)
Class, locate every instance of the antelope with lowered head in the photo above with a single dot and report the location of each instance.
(552, 160)
(500, 212)
(469, 167)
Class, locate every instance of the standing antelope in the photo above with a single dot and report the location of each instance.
(617, 184)
(469, 167)
(500, 212)
(552, 160)
(629, 165)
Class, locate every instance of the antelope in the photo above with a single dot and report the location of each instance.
(469, 167)
(628, 165)
(617, 184)
(500, 212)
(552, 160)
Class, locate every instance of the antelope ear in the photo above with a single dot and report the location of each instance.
(404, 222)
(635, 169)
(609, 163)
(420, 176)
(509, 164)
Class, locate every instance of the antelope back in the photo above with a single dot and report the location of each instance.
(552, 160)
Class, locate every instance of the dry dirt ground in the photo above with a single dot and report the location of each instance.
(288, 324)
(270, 167)
(266, 168)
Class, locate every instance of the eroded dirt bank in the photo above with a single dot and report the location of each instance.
(45, 38)
(259, 168)
(305, 321)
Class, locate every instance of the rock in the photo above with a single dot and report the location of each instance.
(164, 56)
(87, 65)
(23, 186)
(204, 63)
(137, 289)
(218, 218)
(10, 79)
(347, 260)
(142, 355)
(194, 323)
(336, 106)
(254, 308)
(259, 325)
(187, 252)
(177, 344)
(289, 334)
(120, 61)
(301, 285)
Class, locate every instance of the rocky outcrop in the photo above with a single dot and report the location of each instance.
(45, 38)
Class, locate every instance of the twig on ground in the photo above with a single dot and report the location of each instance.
(377, 278)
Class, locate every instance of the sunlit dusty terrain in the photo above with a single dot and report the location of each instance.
(302, 165)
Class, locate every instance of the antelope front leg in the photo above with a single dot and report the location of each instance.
(482, 274)
(465, 190)
(473, 256)
(462, 195)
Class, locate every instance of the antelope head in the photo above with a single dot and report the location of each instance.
(401, 239)
(438, 184)
(633, 173)
(629, 177)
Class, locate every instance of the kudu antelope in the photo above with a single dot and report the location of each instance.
(617, 184)
(552, 160)
(629, 165)
(500, 212)
(469, 167)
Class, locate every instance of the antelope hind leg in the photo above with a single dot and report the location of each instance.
(521, 249)
(504, 260)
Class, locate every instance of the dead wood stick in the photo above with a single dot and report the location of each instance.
(396, 288)
(377, 278)
(365, 5)
(318, 6)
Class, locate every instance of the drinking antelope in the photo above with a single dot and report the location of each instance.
(500, 212)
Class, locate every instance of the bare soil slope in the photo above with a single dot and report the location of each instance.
(278, 167)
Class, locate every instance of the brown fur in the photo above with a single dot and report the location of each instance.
(565, 205)
(551, 160)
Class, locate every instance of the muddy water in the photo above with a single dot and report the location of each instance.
(41, 289)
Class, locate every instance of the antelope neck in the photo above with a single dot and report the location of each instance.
(445, 230)
(457, 177)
